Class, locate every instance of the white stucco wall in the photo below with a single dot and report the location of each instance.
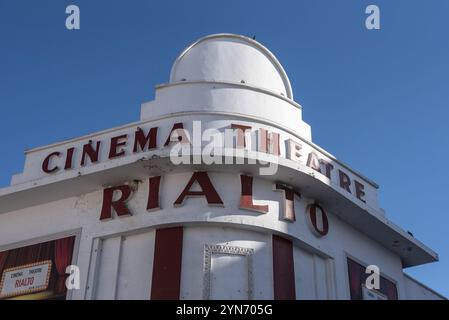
(124, 260)
(415, 290)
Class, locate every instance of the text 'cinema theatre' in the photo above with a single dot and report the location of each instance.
(217, 192)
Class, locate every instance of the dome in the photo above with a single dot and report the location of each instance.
(234, 59)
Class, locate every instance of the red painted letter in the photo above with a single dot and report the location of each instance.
(140, 140)
(246, 199)
(345, 182)
(208, 190)
(69, 158)
(289, 201)
(178, 129)
(359, 190)
(153, 193)
(240, 130)
(314, 162)
(118, 205)
(90, 152)
(46, 163)
(269, 143)
(318, 220)
(329, 167)
(116, 143)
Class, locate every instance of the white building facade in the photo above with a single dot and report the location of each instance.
(217, 192)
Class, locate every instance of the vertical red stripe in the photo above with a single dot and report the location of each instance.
(166, 281)
(283, 269)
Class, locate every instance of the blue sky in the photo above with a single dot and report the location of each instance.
(377, 99)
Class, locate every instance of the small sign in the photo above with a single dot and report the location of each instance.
(371, 294)
(25, 279)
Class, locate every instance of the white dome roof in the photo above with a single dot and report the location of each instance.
(231, 58)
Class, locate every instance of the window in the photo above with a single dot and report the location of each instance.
(36, 271)
(357, 278)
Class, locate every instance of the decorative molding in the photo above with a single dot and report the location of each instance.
(210, 250)
(232, 84)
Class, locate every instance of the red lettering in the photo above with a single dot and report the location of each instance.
(117, 144)
(269, 143)
(24, 282)
(141, 140)
(246, 199)
(207, 188)
(318, 220)
(178, 129)
(89, 151)
(345, 182)
(119, 205)
(153, 193)
(289, 201)
(359, 190)
(240, 130)
(314, 162)
(46, 163)
(69, 158)
(329, 167)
